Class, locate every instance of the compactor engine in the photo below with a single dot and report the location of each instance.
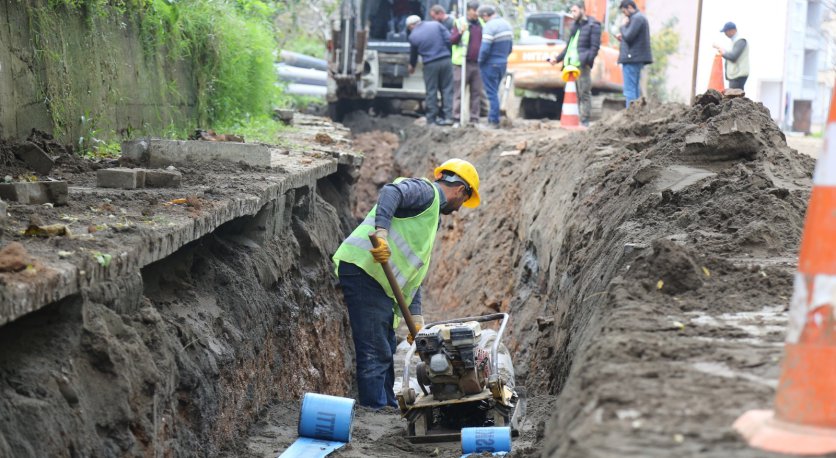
(452, 364)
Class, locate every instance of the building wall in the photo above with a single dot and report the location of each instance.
(792, 53)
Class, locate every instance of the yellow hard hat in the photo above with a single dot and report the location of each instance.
(570, 70)
(467, 172)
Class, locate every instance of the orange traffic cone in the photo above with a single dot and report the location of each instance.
(804, 420)
(569, 117)
(717, 81)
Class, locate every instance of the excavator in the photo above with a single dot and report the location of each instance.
(533, 88)
(368, 57)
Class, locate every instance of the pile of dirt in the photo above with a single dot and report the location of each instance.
(647, 264)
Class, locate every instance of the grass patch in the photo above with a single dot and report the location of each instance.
(262, 129)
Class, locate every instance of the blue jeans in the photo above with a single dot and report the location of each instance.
(491, 78)
(371, 313)
(632, 75)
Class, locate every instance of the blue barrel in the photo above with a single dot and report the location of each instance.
(492, 439)
(326, 417)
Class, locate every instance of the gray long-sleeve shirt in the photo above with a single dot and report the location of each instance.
(737, 49)
(408, 198)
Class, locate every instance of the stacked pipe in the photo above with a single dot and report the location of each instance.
(303, 75)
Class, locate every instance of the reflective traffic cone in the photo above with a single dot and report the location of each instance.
(717, 82)
(804, 420)
(569, 117)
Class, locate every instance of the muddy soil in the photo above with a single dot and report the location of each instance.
(177, 359)
(647, 264)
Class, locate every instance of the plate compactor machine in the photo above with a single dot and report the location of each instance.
(465, 379)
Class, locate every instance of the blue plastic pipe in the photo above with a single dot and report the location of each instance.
(324, 426)
(495, 440)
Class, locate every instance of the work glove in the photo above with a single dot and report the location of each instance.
(382, 253)
(419, 324)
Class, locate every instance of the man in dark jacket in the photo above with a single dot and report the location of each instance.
(635, 48)
(431, 40)
(583, 46)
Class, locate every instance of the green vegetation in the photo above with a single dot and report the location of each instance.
(225, 48)
(258, 129)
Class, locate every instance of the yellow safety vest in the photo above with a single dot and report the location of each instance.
(411, 242)
(460, 50)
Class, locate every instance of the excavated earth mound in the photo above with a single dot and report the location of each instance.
(647, 264)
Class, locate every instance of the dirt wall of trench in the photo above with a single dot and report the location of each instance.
(180, 358)
(613, 249)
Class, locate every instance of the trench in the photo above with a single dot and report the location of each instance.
(612, 250)
(645, 263)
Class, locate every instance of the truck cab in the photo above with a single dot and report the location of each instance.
(546, 29)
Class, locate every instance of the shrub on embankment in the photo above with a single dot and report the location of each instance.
(95, 68)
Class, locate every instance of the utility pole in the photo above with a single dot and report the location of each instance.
(463, 109)
(696, 52)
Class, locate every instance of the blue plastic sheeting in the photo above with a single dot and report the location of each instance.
(496, 440)
(306, 447)
(324, 426)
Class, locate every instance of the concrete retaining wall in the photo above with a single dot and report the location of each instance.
(56, 69)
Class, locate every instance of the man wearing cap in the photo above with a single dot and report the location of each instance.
(431, 40)
(405, 220)
(737, 58)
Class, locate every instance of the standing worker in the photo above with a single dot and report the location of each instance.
(497, 44)
(467, 39)
(737, 58)
(432, 41)
(635, 48)
(581, 52)
(405, 221)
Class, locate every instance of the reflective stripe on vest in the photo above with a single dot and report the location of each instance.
(572, 56)
(410, 241)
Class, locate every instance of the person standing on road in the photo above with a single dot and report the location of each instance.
(737, 58)
(497, 44)
(635, 50)
(439, 14)
(405, 220)
(584, 43)
(431, 41)
(467, 40)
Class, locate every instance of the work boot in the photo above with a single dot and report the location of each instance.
(585, 122)
(444, 122)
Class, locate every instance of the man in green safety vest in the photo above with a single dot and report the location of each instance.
(466, 38)
(405, 220)
(584, 43)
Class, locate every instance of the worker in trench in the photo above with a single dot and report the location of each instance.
(405, 220)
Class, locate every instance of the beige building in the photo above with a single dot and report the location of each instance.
(791, 54)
